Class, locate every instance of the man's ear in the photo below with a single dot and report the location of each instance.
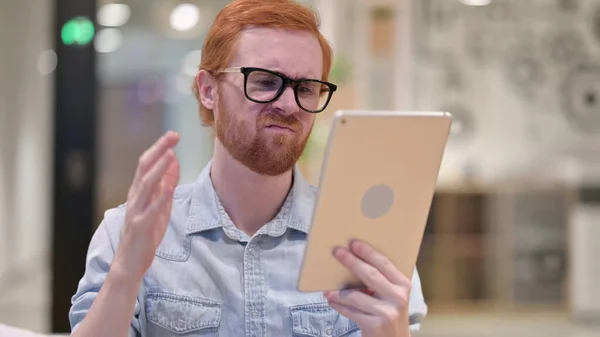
(207, 89)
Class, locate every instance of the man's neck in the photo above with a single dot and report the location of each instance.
(251, 200)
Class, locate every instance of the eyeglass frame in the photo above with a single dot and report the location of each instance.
(294, 83)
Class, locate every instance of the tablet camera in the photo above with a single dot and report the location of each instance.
(377, 201)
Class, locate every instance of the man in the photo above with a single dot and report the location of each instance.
(221, 257)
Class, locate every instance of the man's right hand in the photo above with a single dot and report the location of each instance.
(149, 205)
(147, 216)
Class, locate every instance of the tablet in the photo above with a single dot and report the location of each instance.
(377, 183)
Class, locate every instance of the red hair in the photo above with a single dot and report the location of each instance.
(239, 14)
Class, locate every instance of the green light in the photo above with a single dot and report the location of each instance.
(78, 31)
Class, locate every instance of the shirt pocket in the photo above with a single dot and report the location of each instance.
(176, 315)
(320, 320)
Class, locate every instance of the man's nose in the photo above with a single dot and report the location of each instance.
(286, 103)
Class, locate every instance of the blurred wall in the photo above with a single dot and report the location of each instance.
(585, 269)
(25, 143)
(521, 78)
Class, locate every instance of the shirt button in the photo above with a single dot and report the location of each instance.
(255, 314)
(328, 332)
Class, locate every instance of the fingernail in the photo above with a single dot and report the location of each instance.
(335, 251)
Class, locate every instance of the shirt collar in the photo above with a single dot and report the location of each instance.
(206, 211)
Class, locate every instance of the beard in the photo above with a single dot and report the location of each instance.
(261, 151)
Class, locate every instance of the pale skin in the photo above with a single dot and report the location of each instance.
(250, 199)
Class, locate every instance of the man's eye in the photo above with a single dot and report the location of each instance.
(266, 82)
(306, 90)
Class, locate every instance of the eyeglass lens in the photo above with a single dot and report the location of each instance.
(263, 87)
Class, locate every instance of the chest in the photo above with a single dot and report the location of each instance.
(229, 288)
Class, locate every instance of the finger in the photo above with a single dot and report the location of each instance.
(380, 262)
(357, 316)
(150, 181)
(161, 203)
(359, 300)
(369, 275)
(153, 153)
(171, 177)
(168, 184)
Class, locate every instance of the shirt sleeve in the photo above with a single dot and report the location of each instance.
(100, 255)
(417, 308)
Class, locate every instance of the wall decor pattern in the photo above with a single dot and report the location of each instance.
(528, 55)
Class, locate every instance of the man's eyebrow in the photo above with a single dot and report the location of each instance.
(294, 76)
(308, 77)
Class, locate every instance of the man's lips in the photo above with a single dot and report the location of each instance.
(279, 127)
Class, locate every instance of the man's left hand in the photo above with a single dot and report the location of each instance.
(382, 310)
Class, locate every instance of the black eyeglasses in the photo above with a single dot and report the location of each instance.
(266, 86)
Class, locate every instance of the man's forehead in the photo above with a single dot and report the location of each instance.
(259, 32)
(291, 52)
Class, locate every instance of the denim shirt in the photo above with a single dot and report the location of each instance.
(210, 279)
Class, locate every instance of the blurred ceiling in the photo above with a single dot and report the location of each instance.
(150, 46)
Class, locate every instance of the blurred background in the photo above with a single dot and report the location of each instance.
(513, 233)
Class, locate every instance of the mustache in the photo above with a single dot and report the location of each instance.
(290, 121)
